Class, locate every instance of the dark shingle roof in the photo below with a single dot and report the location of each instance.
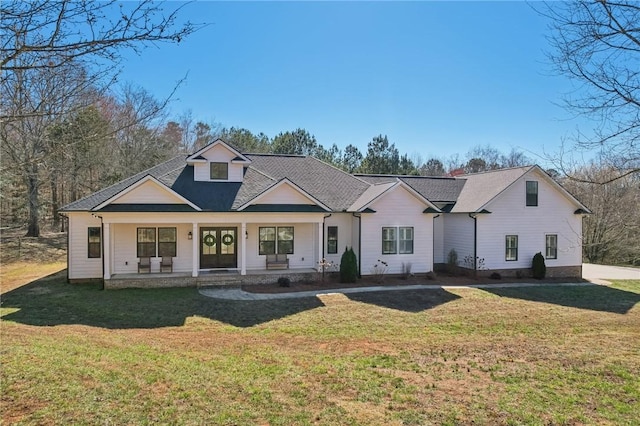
(160, 172)
(209, 196)
(434, 189)
(329, 185)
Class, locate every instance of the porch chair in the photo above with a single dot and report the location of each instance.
(277, 261)
(144, 266)
(166, 265)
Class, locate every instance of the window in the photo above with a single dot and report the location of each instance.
(146, 242)
(532, 193)
(219, 171)
(274, 240)
(267, 243)
(285, 240)
(551, 246)
(512, 247)
(167, 242)
(405, 240)
(95, 247)
(332, 239)
(389, 245)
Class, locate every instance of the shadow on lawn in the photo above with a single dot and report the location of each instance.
(592, 297)
(52, 301)
(406, 300)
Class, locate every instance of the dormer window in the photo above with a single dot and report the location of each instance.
(532, 193)
(219, 171)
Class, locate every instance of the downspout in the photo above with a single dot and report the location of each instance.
(474, 216)
(359, 216)
(324, 249)
(433, 241)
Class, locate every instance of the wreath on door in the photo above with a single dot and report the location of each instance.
(209, 240)
(227, 239)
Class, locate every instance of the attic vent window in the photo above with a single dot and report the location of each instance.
(532, 193)
(219, 171)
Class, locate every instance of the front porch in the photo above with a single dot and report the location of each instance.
(218, 278)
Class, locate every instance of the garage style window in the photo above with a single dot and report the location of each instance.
(332, 239)
(146, 242)
(511, 247)
(551, 246)
(532, 193)
(389, 241)
(167, 242)
(219, 171)
(274, 240)
(94, 246)
(405, 240)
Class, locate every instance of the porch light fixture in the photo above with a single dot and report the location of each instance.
(246, 235)
(190, 235)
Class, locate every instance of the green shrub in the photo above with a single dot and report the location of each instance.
(348, 266)
(538, 267)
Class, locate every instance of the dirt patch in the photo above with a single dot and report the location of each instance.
(333, 282)
(49, 247)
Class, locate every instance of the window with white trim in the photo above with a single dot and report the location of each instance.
(511, 247)
(405, 240)
(551, 246)
(389, 240)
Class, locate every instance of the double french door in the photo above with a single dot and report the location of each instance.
(218, 248)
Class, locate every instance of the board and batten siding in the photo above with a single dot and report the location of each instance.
(458, 236)
(397, 208)
(148, 193)
(510, 216)
(218, 154)
(80, 266)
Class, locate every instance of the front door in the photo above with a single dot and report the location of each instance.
(218, 248)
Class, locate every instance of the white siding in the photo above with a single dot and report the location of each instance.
(148, 193)
(304, 246)
(80, 266)
(218, 154)
(284, 194)
(458, 236)
(345, 235)
(510, 216)
(395, 209)
(124, 242)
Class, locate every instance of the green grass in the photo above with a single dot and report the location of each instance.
(544, 355)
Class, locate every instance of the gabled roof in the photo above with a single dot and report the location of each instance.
(284, 182)
(160, 172)
(197, 156)
(142, 181)
(480, 188)
(330, 186)
(435, 189)
(375, 192)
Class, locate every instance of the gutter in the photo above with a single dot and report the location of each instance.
(474, 216)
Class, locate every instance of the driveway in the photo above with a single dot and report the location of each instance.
(593, 272)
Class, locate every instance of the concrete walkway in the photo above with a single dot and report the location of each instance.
(238, 294)
(596, 273)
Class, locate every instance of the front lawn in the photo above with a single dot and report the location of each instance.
(73, 354)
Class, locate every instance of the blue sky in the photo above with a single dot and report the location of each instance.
(437, 78)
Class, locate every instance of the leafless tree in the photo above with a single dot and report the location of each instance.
(51, 53)
(597, 44)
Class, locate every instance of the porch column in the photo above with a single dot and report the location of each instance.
(320, 243)
(195, 253)
(243, 249)
(106, 255)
